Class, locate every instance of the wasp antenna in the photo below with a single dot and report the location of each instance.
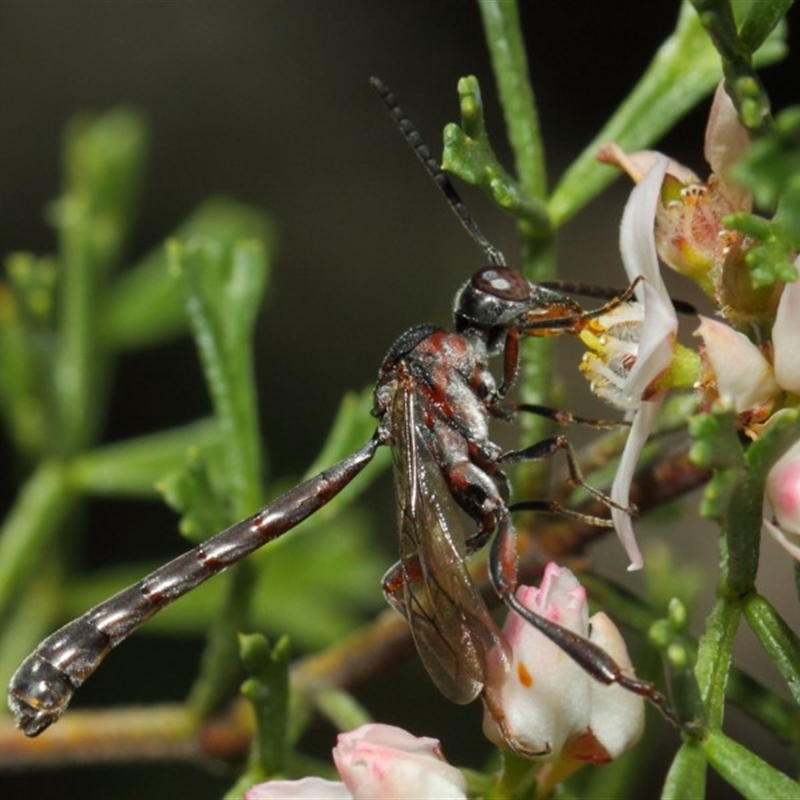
(414, 139)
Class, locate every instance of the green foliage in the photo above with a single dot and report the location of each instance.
(735, 494)
(684, 71)
(223, 289)
(772, 166)
(777, 638)
(468, 155)
(137, 467)
(190, 492)
(771, 170)
(745, 771)
(149, 285)
(737, 37)
(102, 165)
(63, 320)
(735, 498)
(267, 689)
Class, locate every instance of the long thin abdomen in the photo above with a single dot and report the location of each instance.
(42, 687)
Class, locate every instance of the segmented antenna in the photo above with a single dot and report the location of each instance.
(413, 137)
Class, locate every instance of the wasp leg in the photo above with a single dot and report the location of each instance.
(395, 580)
(549, 447)
(565, 417)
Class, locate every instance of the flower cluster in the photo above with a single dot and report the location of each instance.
(748, 361)
(545, 706)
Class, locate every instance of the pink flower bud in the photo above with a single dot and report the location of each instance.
(782, 501)
(785, 336)
(377, 761)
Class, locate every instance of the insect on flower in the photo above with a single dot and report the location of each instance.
(434, 399)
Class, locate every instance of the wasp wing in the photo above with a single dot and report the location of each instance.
(449, 621)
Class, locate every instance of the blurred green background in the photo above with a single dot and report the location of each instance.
(269, 102)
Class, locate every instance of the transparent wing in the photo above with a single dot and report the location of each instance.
(449, 621)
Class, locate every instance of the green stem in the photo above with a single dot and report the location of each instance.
(777, 638)
(510, 65)
(741, 80)
(687, 774)
(714, 656)
(102, 162)
(220, 667)
(267, 689)
(223, 290)
(745, 771)
(341, 709)
(78, 359)
(32, 523)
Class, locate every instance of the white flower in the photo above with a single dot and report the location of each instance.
(377, 761)
(632, 356)
(550, 706)
(741, 375)
(617, 718)
(613, 339)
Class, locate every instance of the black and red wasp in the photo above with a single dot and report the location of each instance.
(434, 400)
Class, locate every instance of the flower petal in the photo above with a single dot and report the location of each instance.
(637, 242)
(744, 377)
(790, 542)
(643, 423)
(786, 335)
(727, 140)
(638, 164)
(657, 342)
(656, 345)
(782, 493)
(308, 788)
(550, 706)
(617, 720)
